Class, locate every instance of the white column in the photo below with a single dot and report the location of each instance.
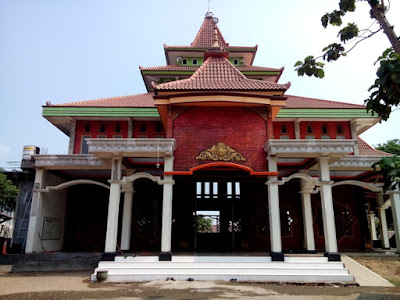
(130, 128)
(328, 215)
(307, 218)
(126, 221)
(354, 136)
(382, 221)
(72, 137)
(167, 208)
(297, 130)
(36, 217)
(371, 218)
(273, 207)
(113, 206)
(395, 203)
(383, 227)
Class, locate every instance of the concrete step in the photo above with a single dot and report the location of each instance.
(294, 269)
(215, 271)
(224, 265)
(256, 259)
(128, 277)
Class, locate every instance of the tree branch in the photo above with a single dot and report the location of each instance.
(379, 15)
(362, 39)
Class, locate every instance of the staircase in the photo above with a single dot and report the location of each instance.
(225, 268)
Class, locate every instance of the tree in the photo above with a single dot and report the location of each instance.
(391, 146)
(385, 92)
(8, 193)
(203, 224)
(388, 168)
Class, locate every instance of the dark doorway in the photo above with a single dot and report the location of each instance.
(218, 219)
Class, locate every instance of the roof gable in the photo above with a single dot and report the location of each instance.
(217, 73)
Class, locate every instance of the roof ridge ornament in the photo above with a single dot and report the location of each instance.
(209, 14)
(215, 45)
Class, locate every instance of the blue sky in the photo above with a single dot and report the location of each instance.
(63, 51)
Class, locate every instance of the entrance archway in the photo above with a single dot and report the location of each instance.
(220, 207)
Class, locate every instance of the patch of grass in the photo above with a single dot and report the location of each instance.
(395, 282)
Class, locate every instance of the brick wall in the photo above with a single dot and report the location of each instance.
(289, 128)
(148, 129)
(110, 131)
(331, 126)
(317, 129)
(199, 128)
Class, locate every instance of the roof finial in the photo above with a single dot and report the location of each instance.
(209, 14)
(215, 44)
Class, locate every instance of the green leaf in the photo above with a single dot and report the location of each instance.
(321, 73)
(348, 32)
(347, 5)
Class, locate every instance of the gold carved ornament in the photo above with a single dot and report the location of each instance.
(220, 151)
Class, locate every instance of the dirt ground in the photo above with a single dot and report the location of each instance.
(388, 267)
(76, 285)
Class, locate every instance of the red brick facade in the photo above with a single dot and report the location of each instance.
(332, 130)
(92, 129)
(200, 128)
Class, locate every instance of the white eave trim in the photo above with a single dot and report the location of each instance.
(309, 148)
(131, 147)
(73, 161)
(355, 163)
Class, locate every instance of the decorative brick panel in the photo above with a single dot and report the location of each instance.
(199, 128)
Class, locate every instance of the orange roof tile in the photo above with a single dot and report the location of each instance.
(140, 100)
(146, 100)
(217, 73)
(304, 102)
(205, 36)
(367, 150)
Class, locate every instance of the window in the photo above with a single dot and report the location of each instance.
(102, 128)
(325, 133)
(339, 129)
(233, 189)
(309, 132)
(87, 128)
(235, 61)
(84, 145)
(143, 127)
(184, 61)
(283, 129)
(339, 132)
(117, 128)
(324, 129)
(309, 129)
(194, 61)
